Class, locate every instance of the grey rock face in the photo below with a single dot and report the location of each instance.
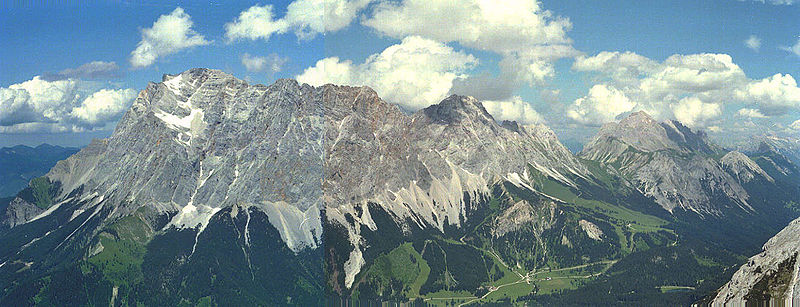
(203, 140)
(643, 133)
(743, 168)
(420, 166)
(787, 146)
(521, 213)
(20, 211)
(669, 162)
(772, 274)
(591, 230)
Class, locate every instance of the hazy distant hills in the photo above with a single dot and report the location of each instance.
(19, 164)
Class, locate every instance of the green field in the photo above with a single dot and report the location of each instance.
(624, 220)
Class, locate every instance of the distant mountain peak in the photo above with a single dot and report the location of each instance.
(743, 168)
(644, 133)
(637, 118)
(455, 108)
(672, 163)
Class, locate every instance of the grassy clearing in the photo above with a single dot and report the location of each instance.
(511, 291)
(404, 264)
(546, 282)
(605, 178)
(558, 284)
(124, 246)
(586, 270)
(42, 192)
(621, 214)
(624, 220)
(706, 261)
(448, 298)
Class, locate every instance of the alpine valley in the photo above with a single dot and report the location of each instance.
(213, 191)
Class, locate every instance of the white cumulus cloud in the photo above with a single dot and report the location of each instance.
(330, 70)
(693, 112)
(103, 106)
(528, 37)
(693, 88)
(603, 104)
(625, 67)
(752, 113)
(704, 73)
(306, 18)
(502, 26)
(774, 95)
(514, 109)
(38, 105)
(414, 74)
(257, 22)
(169, 34)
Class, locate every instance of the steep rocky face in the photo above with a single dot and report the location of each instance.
(641, 132)
(209, 182)
(773, 274)
(204, 151)
(781, 156)
(203, 140)
(743, 168)
(20, 211)
(521, 214)
(428, 168)
(671, 163)
(201, 151)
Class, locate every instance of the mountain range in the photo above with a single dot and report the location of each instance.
(215, 191)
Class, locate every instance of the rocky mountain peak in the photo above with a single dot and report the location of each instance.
(640, 131)
(743, 168)
(637, 130)
(342, 100)
(456, 108)
(671, 163)
(688, 140)
(197, 73)
(201, 141)
(512, 125)
(638, 119)
(537, 131)
(787, 148)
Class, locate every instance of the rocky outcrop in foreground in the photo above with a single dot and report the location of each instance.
(772, 275)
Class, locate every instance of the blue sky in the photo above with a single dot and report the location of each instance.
(658, 29)
(52, 38)
(571, 65)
